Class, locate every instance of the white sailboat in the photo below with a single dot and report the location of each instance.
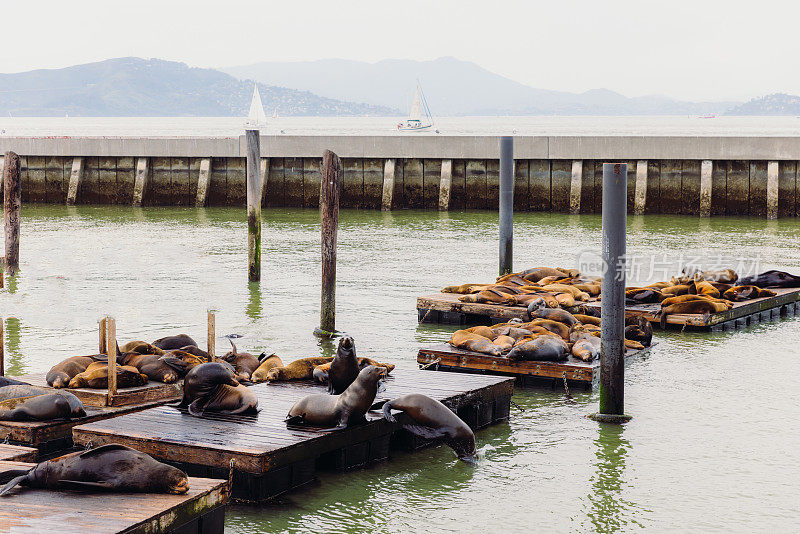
(419, 117)
(256, 116)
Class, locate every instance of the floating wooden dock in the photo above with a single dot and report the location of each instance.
(17, 453)
(150, 392)
(51, 436)
(201, 510)
(445, 308)
(267, 458)
(444, 357)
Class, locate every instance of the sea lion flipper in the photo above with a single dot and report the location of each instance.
(387, 412)
(195, 409)
(377, 405)
(13, 482)
(426, 431)
(175, 363)
(85, 486)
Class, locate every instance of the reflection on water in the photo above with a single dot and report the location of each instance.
(693, 445)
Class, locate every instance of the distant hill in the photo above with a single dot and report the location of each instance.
(774, 104)
(152, 87)
(455, 87)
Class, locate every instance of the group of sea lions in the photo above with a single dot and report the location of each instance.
(551, 335)
(558, 287)
(353, 383)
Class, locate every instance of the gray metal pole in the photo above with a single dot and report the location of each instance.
(506, 205)
(253, 204)
(612, 312)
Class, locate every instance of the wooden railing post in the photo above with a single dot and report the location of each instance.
(111, 345)
(212, 337)
(329, 215)
(12, 204)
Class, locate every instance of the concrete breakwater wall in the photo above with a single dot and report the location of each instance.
(675, 175)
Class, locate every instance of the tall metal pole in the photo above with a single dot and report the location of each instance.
(612, 311)
(253, 204)
(506, 205)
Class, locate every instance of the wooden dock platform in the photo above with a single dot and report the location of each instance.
(267, 458)
(17, 453)
(444, 357)
(445, 308)
(201, 510)
(150, 392)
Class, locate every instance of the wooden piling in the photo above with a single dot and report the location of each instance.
(445, 184)
(212, 336)
(203, 182)
(101, 347)
(640, 193)
(575, 187)
(75, 176)
(706, 179)
(140, 181)
(253, 204)
(264, 171)
(111, 345)
(329, 215)
(12, 204)
(772, 190)
(2, 349)
(388, 185)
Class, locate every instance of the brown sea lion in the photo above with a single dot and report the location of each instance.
(573, 291)
(639, 329)
(644, 295)
(96, 377)
(5, 381)
(363, 362)
(228, 400)
(61, 373)
(433, 420)
(555, 327)
(39, 409)
(510, 331)
(685, 298)
(691, 307)
(107, 468)
(302, 369)
(338, 411)
(174, 342)
(484, 331)
(740, 293)
(461, 339)
(585, 346)
(212, 387)
(537, 273)
(701, 287)
(674, 290)
(545, 347)
(506, 343)
(537, 309)
(658, 285)
(587, 319)
(168, 368)
(525, 299)
(196, 351)
(243, 362)
(726, 276)
(260, 374)
(514, 279)
(344, 367)
(141, 347)
(771, 279)
(465, 289)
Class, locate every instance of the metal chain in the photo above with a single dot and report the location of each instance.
(230, 477)
(8, 438)
(428, 365)
(517, 406)
(88, 445)
(566, 387)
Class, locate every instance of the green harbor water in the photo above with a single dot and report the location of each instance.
(712, 447)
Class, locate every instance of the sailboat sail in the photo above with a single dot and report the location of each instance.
(256, 116)
(416, 107)
(419, 116)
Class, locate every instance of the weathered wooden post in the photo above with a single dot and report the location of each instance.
(2, 351)
(12, 203)
(329, 215)
(253, 204)
(101, 326)
(506, 205)
(111, 345)
(612, 300)
(212, 337)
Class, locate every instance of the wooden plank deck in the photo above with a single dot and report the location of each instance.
(150, 392)
(17, 453)
(37, 511)
(445, 308)
(444, 357)
(269, 459)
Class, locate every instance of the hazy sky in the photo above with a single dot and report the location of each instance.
(698, 50)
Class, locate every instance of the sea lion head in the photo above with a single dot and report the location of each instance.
(347, 346)
(201, 380)
(76, 409)
(276, 373)
(170, 479)
(535, 305)
(77, 382)
(61, 381)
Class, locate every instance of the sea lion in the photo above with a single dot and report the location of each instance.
(639, 329)
(726, 276)
(677, 289)
(545, 347)
(771, 279)
(585, 345)
(537, 273)
(96, 377)
(506, 343)
(260, 374)
(212, 387)
(484, 331)
(691, 307)
(555, 327)
(537, 309)
(243, 362)
(166, 369)
(141, 347)
(434, 420)
(5, 381)
(587, 319)
(644, 295)
(174, 342)
(702, 287)
(525, 299)
(197, 351)
(685, 298)
(740, 293)
(41, 409)
(573, 291)
(61, 373)
(344, 367)
(363, 362)
(338, 411)
(465, 289)
(511, 331)
(107, 468)
(302, 369)
(461, 339)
